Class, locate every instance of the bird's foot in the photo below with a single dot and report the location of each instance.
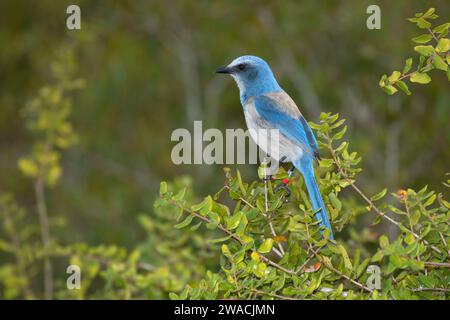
(284, 186)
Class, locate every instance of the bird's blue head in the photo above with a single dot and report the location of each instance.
(252, 75)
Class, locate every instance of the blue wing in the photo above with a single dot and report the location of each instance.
(282, 118)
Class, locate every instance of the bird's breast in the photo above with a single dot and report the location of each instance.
(268, 138)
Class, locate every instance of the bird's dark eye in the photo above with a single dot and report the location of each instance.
(241, 66)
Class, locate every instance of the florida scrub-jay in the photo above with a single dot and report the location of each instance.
(266, 106)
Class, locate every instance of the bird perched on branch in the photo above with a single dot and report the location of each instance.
(267, 107)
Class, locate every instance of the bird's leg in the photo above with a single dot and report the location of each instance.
(284, 182)
(291, 171)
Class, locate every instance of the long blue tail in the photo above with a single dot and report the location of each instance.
(305, 166)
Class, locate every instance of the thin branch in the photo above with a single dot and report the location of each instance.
(432, 34)
(276, 265)
(45, 235)
(431, 289)
(372, 206)
(266, 214)
(312, 255)
(274, 295)
(383, 215)
(437, 264)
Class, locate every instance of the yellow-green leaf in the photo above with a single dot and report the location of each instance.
(424, 50)
(403, 86)
(233, 221)
(443, 45)
(389, 89)
(255, 256)
(266, 246)
(442, 28)
(343, 252)
(384, 241)
(421, 78)
(408, 64)
(379, 195)
(185, 222)
(260, 269)
(394, 76)
(424, 38)
(439, 63)
(225, 250)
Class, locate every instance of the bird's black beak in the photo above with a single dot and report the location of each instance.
(223, 70)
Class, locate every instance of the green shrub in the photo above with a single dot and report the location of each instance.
(273, 249)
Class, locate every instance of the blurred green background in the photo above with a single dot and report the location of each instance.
(149, 69)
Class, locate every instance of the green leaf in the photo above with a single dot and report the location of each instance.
(240, 184)
(196, 226)
(442, 28)
(424, 50)
(207, 207)
(225, 250)
(173, 296)
(180, 195)
(233, 221)
(162, 188)
(429, 13)
(379, 195)
(394, 76)
(266, 246)
(242, 225)
(218, 240)
(443, 45)
(408, 64)
(389, 89)
(335, 201)
(204, 207)
(375, 221)
(403, 86)
(340, 134)
(255, 256)
(260, 269)
(439, 63)
(409, 238)
(214, 217)
(211, 225)
(343, 252)
(325, 163)
(421, 78)
(423, 24)
(384, 241)
(185, 222)
(382, 81)
(378, 256)
(430, 201)
(424, 38)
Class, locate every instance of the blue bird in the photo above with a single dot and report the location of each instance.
(267, 106)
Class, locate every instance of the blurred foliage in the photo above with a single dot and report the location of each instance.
(136, 71)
